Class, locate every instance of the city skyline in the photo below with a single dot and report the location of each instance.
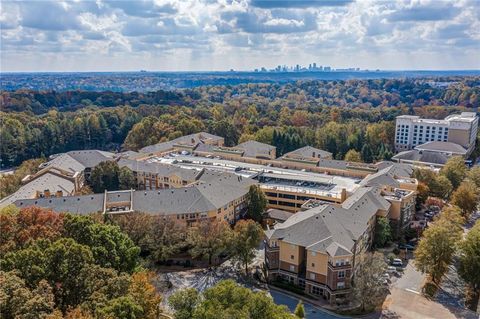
(240, 35)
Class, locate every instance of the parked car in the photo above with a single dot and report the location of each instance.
(391, 270)
(397, 262)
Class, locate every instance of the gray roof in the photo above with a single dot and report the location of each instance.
(385, 176)
(398, 169)
(332, 228)
(84, 204)
(190, 140)
(278, 214)
(203, 197)
(130, 154)
(159, 168)
(46, 181)
(445, 147)
(91, 158)
(77, 161)
(254, 148)
(308, 152)
(427, 157)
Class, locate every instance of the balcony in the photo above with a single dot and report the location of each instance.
(339, 267)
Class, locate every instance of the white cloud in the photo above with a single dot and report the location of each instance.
(224, 34)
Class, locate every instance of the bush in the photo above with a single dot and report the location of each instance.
(429, 289)
(284, 285)
(396, 251)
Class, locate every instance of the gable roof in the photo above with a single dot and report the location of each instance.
(446, 147)
(78, 161)
(203, 197)
(189, 140)
(46, 181)
(160, 168)
(427, 157)
(308, 152)
(332, 228)
(254, 148)
(385, 176)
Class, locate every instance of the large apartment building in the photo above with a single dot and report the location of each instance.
(411, 131)
(317, 249)
(215, 195)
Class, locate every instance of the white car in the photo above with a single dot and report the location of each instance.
(397, 262)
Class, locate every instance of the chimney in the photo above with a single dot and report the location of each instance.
(59, 193)
(46, 193)
(343, 195)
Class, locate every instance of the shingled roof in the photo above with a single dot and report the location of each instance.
(332, 228)
(308, 152)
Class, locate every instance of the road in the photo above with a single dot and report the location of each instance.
(311, 312)
(406, 300)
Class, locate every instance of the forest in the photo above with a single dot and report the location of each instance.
(333, 115)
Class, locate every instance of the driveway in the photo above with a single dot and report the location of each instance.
(406, 300)
(411, 280)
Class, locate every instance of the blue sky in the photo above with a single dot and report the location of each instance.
(218, 35)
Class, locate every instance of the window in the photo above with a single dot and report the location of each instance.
(340, 285)
(292, 257)
(301, 283)
(341, 274)
(316, 290)
(313, 264)
(314, 253)
(312, 276)
(292, 268)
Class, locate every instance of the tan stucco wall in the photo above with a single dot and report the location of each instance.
(459, 136)
(287, 250)
(320, 261)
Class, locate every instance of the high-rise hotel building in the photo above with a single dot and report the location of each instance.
(412, 130)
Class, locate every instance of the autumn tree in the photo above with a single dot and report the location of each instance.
(466, 197)
(109, 245)
(473, 176)
(139, 227)
(183, 302)
(353, 156)
(225, 300)
(209, 239)
(423, 191)
(470, 257)
(435, 250)
(257, 203)
(18, 228)
(145, 295)
(441, 187)
(166, 239)
(246, 238)
(368, 287)
(20, 301)
(455, 170)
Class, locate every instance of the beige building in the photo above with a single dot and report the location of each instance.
(184, 143)
(215, 195)
(316, 250)
(460, 129)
